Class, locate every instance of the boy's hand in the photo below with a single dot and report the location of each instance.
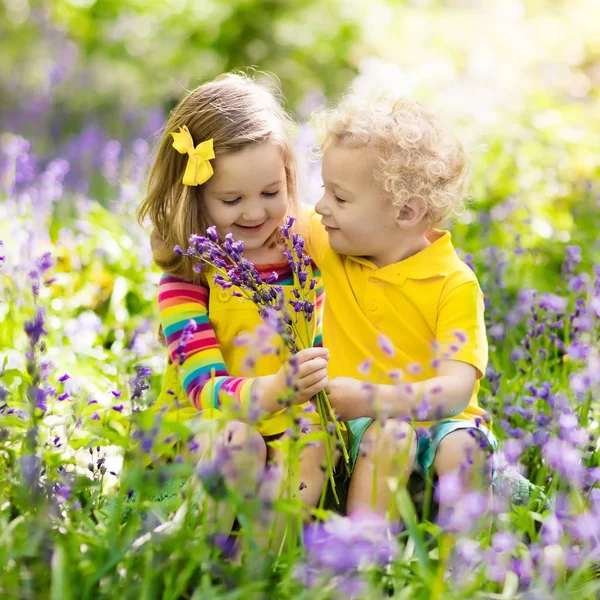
(351, 398)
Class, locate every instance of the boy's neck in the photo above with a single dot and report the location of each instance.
(406, 246)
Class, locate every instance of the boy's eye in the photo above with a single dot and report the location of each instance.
(270, 194)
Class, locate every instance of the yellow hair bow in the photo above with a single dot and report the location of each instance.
(198, 169)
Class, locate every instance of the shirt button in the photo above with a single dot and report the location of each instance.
(224, 295)
(373, 305)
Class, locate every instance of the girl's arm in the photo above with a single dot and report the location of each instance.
(179, 302)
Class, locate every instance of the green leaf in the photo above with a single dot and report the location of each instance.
(59, 588)
(10, 376)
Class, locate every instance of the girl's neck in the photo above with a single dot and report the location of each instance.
(266, 255)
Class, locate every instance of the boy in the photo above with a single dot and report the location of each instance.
(403, 316)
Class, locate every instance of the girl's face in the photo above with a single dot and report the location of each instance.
(247, 195)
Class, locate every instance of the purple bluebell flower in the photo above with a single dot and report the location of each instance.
(585, 527)
(287, 226)
(341, 545)
(35, 328)
(62, 492)
(139, 383)
(40, 395)
(552, 530)
(565, 459)
(31, 466)
(44, 263)
(212, 234)
(553, 303)
(385, 344)
(503, 541)
(211, 473)
(423, 410)
(187, 335)
(147, 444)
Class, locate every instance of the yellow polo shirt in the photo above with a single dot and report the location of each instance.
(429, 306)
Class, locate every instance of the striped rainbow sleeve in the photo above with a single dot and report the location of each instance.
(319, 299)
(179, 302)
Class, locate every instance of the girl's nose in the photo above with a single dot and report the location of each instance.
(254, 214)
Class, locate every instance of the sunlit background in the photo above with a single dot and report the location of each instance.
(85, 87)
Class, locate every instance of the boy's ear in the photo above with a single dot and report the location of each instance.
(412, 213)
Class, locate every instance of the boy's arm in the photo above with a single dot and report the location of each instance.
(441, 397)
(461, 359)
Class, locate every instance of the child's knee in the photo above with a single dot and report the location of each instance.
(239, 436)
(392, 437)
(460, 450)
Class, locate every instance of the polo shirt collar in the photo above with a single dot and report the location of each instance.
(436, 260)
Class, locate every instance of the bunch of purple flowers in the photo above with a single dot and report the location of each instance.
(289, 319)
(342, 550)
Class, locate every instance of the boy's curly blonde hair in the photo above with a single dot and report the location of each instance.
(416, 154)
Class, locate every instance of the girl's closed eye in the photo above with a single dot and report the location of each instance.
(271, 194)
(231, 202)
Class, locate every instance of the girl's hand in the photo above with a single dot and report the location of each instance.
(305, 372)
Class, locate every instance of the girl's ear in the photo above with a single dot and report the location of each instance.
(412, 213)
(155, 240)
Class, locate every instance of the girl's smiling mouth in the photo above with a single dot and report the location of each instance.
(251, 228)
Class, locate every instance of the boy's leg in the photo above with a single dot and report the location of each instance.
(386, 450)
(463, 449)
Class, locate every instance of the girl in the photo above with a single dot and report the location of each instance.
(226, 160)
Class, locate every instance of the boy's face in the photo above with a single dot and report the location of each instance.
(358, 218)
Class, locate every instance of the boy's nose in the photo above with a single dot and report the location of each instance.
(321, 206)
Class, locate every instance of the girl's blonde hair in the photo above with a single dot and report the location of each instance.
(235, 111)
(416, 155)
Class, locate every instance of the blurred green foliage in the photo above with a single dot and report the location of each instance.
(89, 82)
(117, 57)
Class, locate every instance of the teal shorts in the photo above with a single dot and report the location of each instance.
(427, 442)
